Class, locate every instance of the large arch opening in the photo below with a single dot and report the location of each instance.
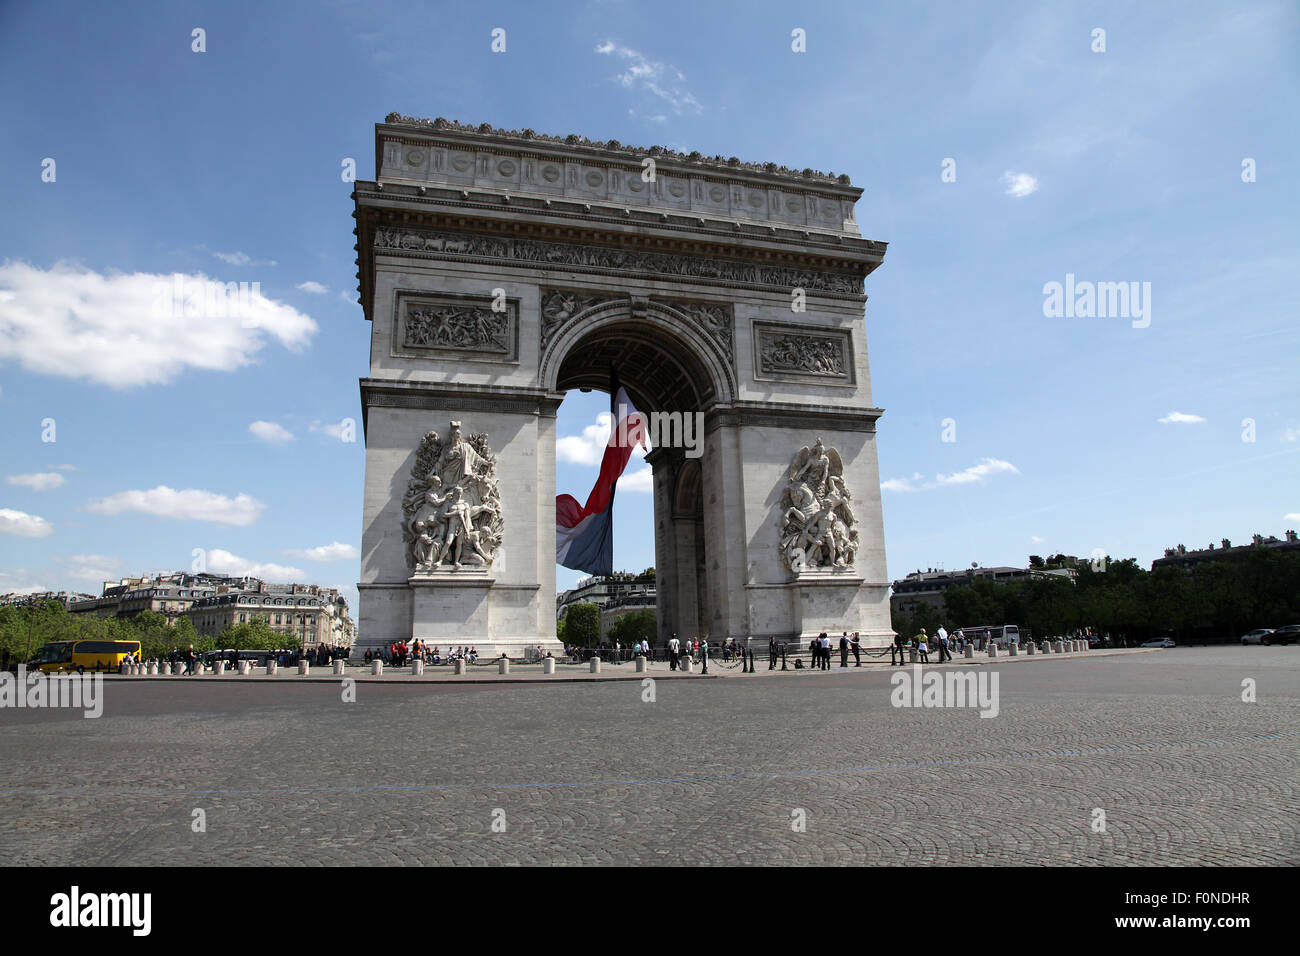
(668, 371)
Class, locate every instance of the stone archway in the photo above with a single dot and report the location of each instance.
(670, 369)
(500, 269)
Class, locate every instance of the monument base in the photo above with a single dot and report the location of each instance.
(453, 608)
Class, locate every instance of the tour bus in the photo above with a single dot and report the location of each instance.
(1001, 634)
(81, 656)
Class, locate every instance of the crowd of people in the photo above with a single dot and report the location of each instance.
(400, 653)
(941, 642)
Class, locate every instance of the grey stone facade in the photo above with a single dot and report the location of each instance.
(531, 264)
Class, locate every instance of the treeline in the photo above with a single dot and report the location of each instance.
(1214, 601)
(580, 625)
(34, 625)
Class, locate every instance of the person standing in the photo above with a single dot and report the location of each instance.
(923, 647)
(856, 645)
(704, 655)
(844, 650)
(771, 654)
(674, 652)
(897, 650)
(944, 655)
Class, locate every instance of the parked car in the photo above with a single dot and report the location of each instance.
(1258, 636)
(1158, 642)
(1284, 635)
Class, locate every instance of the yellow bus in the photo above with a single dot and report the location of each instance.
(62, 656)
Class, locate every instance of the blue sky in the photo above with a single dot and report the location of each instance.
(1070, 433)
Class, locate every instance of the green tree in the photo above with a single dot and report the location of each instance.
(634, 626)
(582, 624)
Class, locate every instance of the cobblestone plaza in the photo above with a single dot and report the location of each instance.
(712, 771)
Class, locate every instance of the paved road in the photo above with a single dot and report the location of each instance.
(710, 772)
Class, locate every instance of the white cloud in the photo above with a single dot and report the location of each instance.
(1019, 185)
(23, 525)
(315, 288)
(336, 551)
(589, 447)
(662, 80)
(986, 467)
(1291, 434)
(333, 429)
(1180, 418)
(975, 473)
(270, 432)
(7, 585)
(137, 327)
(190, 504)
(66, 467)
(41, 481)
(223, 562)
(1293, 516)
(349, 297)
(641, 481)
(233, 258)
(93, 567)
(1035, 539)
(896, 484)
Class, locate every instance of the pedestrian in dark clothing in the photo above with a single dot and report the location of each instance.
(857, 650)
(771, 654)
(844, 649)
(704, 656)
(898, 651)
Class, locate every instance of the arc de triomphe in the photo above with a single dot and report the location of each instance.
(498, 269)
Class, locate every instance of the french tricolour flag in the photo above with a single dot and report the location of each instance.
(584, 536)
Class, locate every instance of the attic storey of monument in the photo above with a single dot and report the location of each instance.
(683, 285)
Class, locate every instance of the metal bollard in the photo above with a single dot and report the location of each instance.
(993, 649)
(458, 666)
(687, 664)
(219, 668)
(1058, 648)
(503, 665)
(304, 668)
(246, 668)
(152, 669)
(338, 667)
(548, 665)
(595, 665)
(417, 667)
(377, 668)
(913, 654)
(640, 664)
(272, 667)
(1013, 650)
(970, 652)
(1030, 648)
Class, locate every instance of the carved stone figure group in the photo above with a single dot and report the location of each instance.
(817, 523)
(451, 513)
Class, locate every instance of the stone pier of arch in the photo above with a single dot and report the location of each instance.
(499, 269)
